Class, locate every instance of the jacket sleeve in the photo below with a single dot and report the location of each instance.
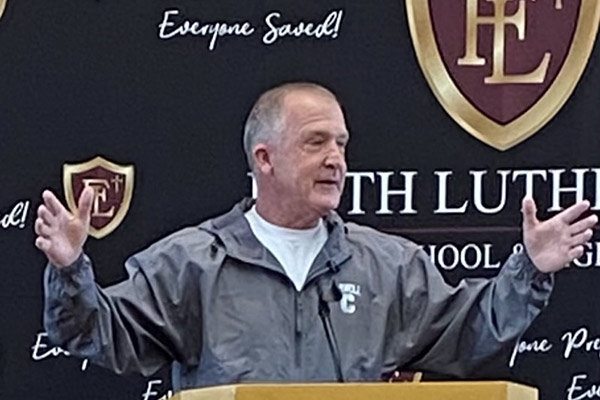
(455, 330)
(138, 325)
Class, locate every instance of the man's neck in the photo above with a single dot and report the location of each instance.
(286, 219)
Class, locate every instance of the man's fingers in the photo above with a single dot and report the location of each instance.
(584, 224)
(575, 252)
(37, 226)
(42, 244)
(529, 210)
(572, 213)
(46, 215)
(84, 206)
(41, 228)
(582, 237)
(52, 203)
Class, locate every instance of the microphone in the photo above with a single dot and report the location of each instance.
(328, 295)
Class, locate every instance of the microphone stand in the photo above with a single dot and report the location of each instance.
(324, 312)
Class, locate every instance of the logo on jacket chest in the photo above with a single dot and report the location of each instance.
(350, 293)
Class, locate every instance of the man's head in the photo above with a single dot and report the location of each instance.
(295, 139)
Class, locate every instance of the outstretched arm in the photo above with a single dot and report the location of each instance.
(138, 325)
(457, 330)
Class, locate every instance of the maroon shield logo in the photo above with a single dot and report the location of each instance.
(113, 190)
(503, 68)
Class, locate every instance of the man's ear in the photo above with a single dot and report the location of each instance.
(262, 158)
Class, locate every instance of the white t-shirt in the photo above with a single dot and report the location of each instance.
(295, 249)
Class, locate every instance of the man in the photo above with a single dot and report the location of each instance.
(236, 298)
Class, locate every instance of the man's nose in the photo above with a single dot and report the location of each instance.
(335, 155)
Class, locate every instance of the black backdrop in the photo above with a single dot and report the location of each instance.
(92, 77)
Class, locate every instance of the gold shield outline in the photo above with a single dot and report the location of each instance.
(501, 137)
(2, 7)
(127, 170)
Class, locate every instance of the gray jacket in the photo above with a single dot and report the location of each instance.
(216, 304)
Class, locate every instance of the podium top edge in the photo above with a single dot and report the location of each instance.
(252, 385)
(503, 389)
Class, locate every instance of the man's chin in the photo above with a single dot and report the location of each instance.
(325, 206)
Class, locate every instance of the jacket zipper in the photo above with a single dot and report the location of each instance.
(298, 330)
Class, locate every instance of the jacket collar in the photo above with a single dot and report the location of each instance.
(234, 234)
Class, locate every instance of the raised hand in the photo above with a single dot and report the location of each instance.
(61, 234)
(554, 243)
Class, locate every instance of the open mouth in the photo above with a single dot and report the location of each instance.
(328, 182)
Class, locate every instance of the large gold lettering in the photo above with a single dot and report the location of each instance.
(99, 186)
(499, 21)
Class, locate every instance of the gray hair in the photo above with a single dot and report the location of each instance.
(266, 120)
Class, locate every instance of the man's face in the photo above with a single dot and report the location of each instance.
(308, 160)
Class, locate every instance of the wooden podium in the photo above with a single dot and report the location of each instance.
(365, 391)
